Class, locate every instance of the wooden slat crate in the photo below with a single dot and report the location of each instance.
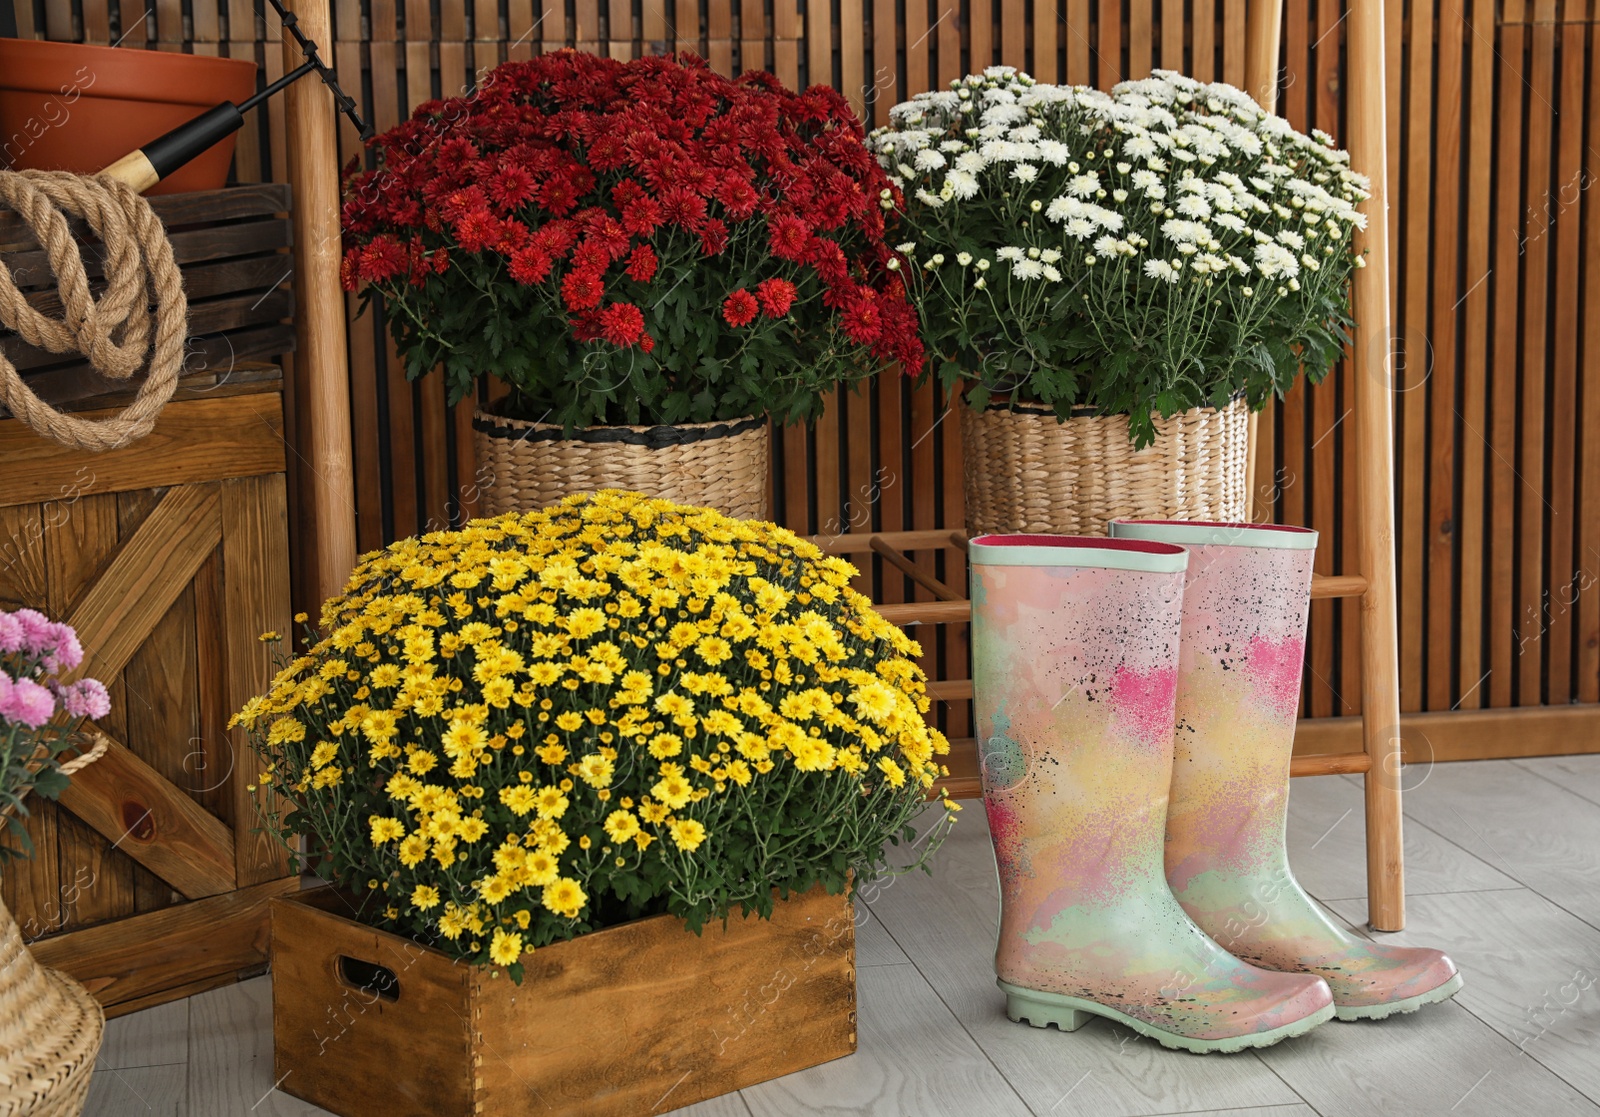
(639, 1018)
(233, 249)
(170, 557)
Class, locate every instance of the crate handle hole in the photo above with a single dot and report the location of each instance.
(369, 978)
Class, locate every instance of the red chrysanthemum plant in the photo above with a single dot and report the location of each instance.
(634, 242)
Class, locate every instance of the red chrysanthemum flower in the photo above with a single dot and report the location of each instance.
(647, 343)
(477, 230)
(642, 264)
(713, 237)
(510, 187)
(739, 308)
(640, 216)
(530, 265)
(789, 238)
(776, 296)
(581, 289)
(621, 324)
(861, 319)
(383, 258)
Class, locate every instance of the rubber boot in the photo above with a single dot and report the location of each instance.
(1245, 602)
(1075, 654)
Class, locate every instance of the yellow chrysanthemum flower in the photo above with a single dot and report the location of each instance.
(386, 829)
(687, 834)
(565, 897)
(621, 826)
(505, 948)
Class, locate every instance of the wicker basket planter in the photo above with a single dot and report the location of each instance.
(1027, 472)
(50, 1030)
(527, 466)
(639, 1018)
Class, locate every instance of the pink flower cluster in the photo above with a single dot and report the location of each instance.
(35, 648)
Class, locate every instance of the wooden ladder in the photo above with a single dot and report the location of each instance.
(1374, 588)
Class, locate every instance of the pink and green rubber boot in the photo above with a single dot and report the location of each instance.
(1075, 656)
(1245, 601)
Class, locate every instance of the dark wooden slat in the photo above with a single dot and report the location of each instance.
(190, 246)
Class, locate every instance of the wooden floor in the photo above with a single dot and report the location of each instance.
(1503, 867)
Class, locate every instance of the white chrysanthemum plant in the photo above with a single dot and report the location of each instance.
(1163, 247)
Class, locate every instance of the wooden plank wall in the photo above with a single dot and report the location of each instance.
(1490, 104)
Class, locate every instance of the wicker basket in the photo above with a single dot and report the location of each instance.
(714, 465)
(1027, 472)
(49, 1034)
(50, 1026)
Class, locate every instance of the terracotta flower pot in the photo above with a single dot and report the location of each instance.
(71, 107)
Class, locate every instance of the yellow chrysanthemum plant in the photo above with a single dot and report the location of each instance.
(546, 723)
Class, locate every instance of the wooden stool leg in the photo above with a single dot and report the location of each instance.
(1374, 419)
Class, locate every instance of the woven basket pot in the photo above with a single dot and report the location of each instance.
(528, 466)
(1027, 472)
(49, 1034)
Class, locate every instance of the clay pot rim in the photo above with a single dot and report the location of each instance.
(121, 73)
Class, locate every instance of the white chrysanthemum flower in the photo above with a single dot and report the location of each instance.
(1229, 221)
(1054, 152)
(1051, 273)
(1193, 205)
(1139, 147)
(963, 258)
(906, 247)
(1107, 245)
(1187, 232)
(1025, 172)
(929, 160)
(1064, 207)
(1274, 259)
(950, 147)
(1085, 185)
(962, 185)
(1028, 269)
(1049, 255)
(1010, 252)
(970, 162)
(932, 201)
(1079, 228)
(1160, 269)
(1027, 134)
(1291, 238)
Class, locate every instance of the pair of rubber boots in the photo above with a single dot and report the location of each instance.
(1135, 700)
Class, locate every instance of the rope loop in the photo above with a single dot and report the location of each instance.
(113, 332)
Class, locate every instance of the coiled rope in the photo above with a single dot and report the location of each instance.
(113, 332)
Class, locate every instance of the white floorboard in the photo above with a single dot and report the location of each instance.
(1503, 869)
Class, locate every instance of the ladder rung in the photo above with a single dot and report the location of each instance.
(855, 543)
(1338, 585)
(964, 783)
(955, 612)
(1331, 764)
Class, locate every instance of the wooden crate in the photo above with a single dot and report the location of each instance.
(232, 247)
(640, 1018)
(170, 557)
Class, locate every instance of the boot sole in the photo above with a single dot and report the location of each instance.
(1040, 1010)
(1409, 1004)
